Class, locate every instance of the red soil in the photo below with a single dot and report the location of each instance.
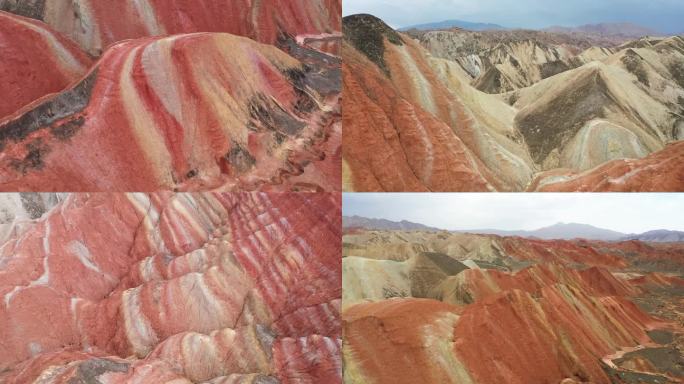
(387, 340)
(566, 251)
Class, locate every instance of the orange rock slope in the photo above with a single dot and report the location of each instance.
(182, 288)
(562, 319)
(660, 171)
(405, 130)
(543, 335)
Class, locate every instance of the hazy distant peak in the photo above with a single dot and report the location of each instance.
(629, 30)
(448, 24)
(658, 236)
(383, 224)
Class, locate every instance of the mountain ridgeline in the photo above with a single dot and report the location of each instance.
(558, 231)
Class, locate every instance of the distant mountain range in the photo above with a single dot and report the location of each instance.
(658, 236)
(557, 231)
(383, 225)
(623, 30)
(448, 24)
(626, 30)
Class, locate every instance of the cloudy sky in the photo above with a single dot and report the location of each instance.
(624, 212)
(663, 15)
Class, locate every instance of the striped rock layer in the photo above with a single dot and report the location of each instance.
(95, 24)
(403, 111)
(515, 336)
(185, 112)
(175, 288)
(36, 61)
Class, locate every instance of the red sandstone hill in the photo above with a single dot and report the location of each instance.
(663, 170)
(184, 112)
(202, 109)
(174, 287)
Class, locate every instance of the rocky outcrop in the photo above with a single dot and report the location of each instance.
(95, 25)
(211, 288)
(256, 116)
(36, 61)
(18, 211)
(503, 61)
(477, 284)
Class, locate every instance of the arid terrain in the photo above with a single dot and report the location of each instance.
(212, 288)
(511, 110)
(441, 307)
(158, 95)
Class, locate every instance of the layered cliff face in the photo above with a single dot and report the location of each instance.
(444, 317)
(95, 25)
(185, 96)
(562, 108)
(182, 288)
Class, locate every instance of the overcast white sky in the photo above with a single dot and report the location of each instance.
(663, 15)
(624, 212)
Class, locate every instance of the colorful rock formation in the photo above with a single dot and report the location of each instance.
(158, 115)
(426, 317)
(560, 119)
(403, 109)
(184, 105)
(183, 288)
